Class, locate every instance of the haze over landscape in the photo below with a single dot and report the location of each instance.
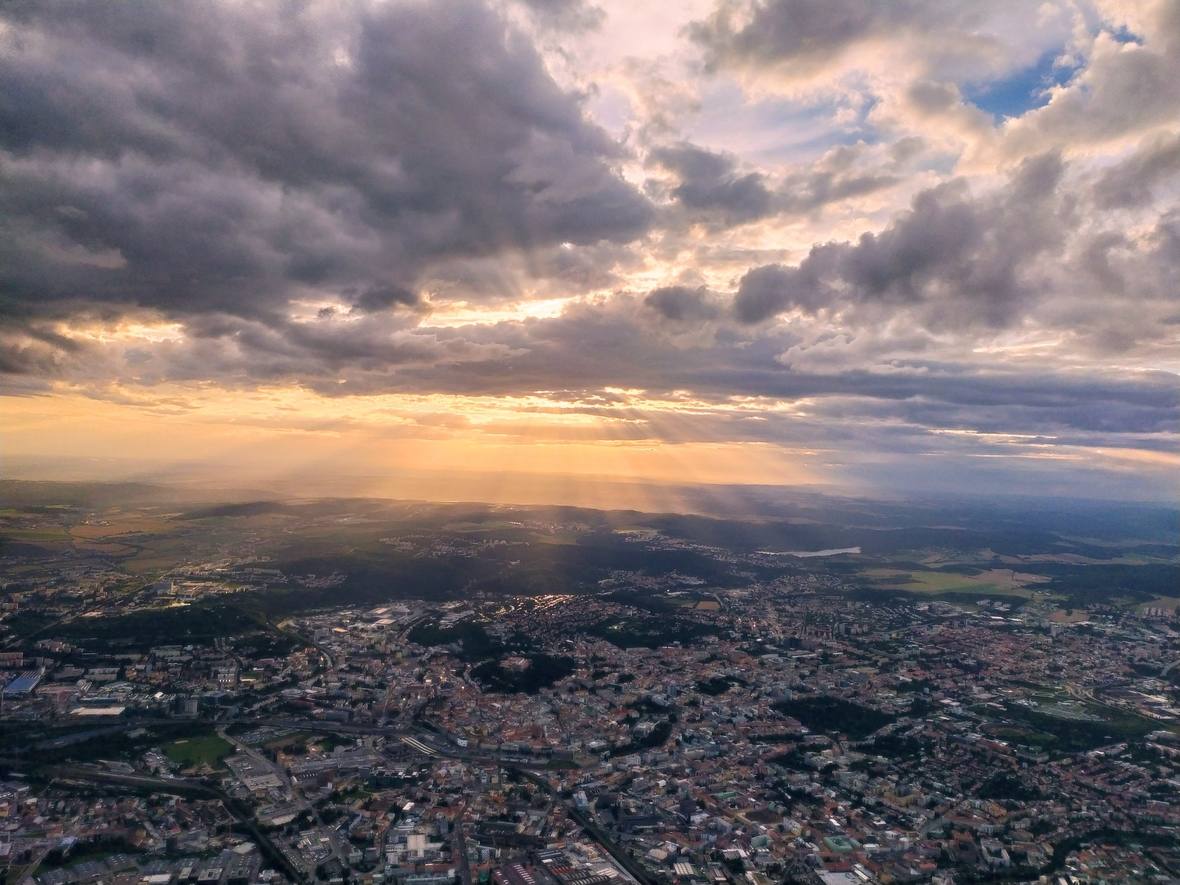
(589, 442)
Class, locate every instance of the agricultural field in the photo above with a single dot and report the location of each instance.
(1168, 603)
(992, 582)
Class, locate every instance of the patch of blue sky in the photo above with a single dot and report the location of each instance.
(1123, 34)
(1021, 92)
(835, 138)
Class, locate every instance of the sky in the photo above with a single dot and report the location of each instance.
(868, 246)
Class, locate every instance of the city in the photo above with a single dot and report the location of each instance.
(780, 723)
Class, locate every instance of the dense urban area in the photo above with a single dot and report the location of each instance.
(689, 712)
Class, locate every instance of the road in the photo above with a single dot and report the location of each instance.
(300, 801)
(19, 875)
(460, 853)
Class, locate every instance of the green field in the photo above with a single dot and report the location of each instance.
(202, 750)
(49, 533)
(1169, 602)
(994, 582)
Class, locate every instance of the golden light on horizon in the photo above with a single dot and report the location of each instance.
(279, 434)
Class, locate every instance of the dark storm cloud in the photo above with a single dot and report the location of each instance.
(712, 188)
(710, 181)
(803, 35)
(220, 156)
(564, 269)
(899, 405)
(812, 190)
(35, 352)
(962, 259)
(1131, 182)
(378, 298)
(773, 288)
(683, 304)
(618, 345)
(565, 15)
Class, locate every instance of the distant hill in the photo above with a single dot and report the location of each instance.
(26, 493)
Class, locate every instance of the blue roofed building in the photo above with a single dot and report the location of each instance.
(22, 685)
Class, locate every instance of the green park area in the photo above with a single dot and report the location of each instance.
(991, 582)
(193, 752)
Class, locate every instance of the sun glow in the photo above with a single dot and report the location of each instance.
(280, 435)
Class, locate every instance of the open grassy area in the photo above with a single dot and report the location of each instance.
(997, 582)
(43, 533)
(200, 750)
(1069, 616)
(200, 624)
(829, 714)
(1167, 602)
(1078, 727)
(126, 524)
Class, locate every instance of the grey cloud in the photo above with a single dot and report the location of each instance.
(1163, 259)
(36, 353)
(377, 298)
(809, 191)
(1090, 413)
(801, 32)
(598, 345)
(219, 156)
(682, 304)
(770, 289)
(711, 187)
(904, 403)
(579, 354)
(1166, 240)
(802, 37)
(710, 182)
(962, 259)
(566, 15)
(931, 97)
(1116, 290)
(1130, 183)
(563, 269)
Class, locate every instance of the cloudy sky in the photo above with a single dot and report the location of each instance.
(861, 244)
